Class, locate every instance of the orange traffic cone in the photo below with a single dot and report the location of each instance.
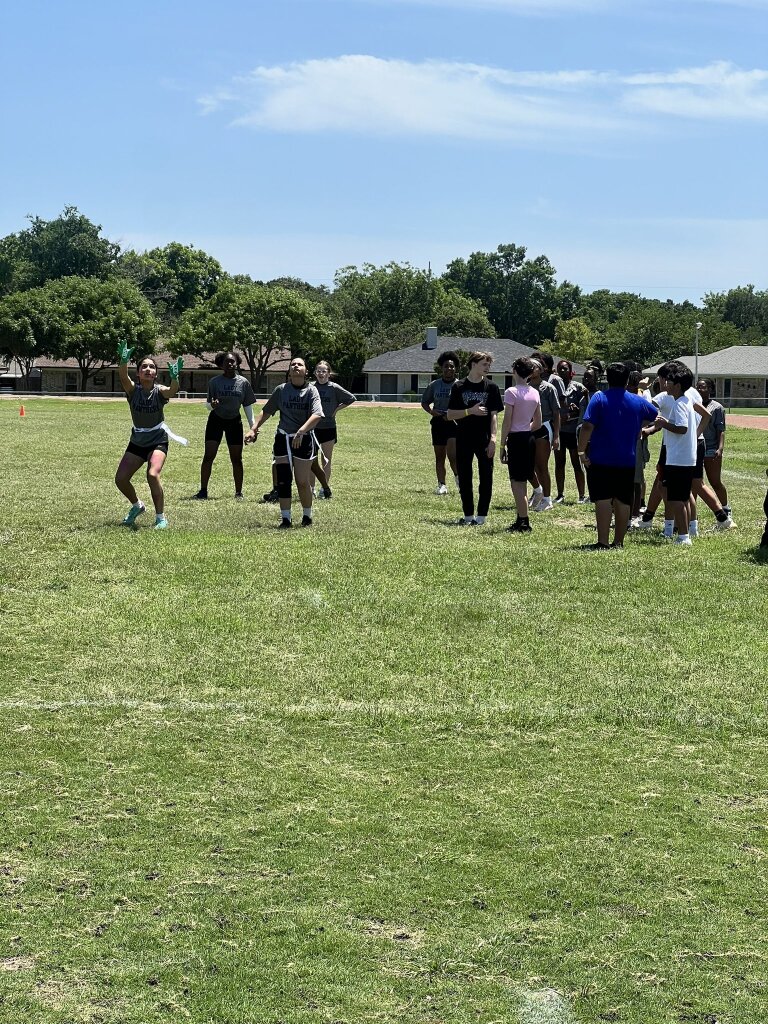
(22, 411)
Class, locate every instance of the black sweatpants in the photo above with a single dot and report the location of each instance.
(466, 450)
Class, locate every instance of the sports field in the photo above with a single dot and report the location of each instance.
(386, 769)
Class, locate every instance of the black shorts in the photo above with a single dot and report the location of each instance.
(521, 455)
(698, 469)
(678, 481)
(542, 433)
(144, 453)
(216, 428)
(662, 461)
(443, 430)
(306, 451)
(325, 434)
(609, 483)
(568, 441)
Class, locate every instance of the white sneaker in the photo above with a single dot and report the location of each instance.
(644, 524)
(441, 489)
(584, 501)
(545, 505)
(727, 524)
(535, 500)
(684, 541)
(634, 524)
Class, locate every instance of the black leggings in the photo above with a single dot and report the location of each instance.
(466, 451)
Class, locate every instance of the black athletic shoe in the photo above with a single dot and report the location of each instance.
(520, 528)
(327, 493)
(596, 547)
(271, 496)
(306, 520)
(285, 524)
(201, 494)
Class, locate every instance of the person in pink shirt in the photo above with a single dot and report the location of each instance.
(522, 417)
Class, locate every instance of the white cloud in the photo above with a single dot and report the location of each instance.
(374, 96)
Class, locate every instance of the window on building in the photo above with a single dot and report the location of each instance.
(727, 388)
(70, 382)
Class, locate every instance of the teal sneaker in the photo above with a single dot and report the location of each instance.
(161, 523)
(133, 515)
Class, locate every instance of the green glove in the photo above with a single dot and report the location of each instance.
(175, 368)
(124, 353)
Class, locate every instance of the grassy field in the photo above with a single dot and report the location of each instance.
(383, 770)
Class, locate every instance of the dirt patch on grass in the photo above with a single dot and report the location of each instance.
(377, 928)
(16, 963)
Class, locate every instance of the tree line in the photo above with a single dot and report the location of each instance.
(66, 291)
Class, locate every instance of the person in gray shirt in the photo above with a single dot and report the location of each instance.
(149, 434)
(227, 394)
(295, 446)
(714, 440)
(333, 398)
(434, 402)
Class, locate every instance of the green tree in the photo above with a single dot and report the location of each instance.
(97, 316)
(344, 347)
(745, 308)
(520, 295)
(70, 245)
(31, 326)
(394, 304)
(174, 278)
(259, 321)
(574, 340)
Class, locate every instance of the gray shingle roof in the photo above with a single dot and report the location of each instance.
(736, 361)
(416, 359)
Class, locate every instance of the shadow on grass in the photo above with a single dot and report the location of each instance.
(756, 556)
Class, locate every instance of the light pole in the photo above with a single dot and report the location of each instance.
(696, 355)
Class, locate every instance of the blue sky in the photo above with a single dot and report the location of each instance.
(624, 139)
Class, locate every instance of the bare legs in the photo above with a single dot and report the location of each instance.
(130, 465)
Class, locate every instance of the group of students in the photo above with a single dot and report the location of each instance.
(303, 446)
(604, 430)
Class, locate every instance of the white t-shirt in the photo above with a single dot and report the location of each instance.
(664, 401)
(681, 448)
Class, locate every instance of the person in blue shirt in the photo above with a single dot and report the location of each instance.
(611, 428)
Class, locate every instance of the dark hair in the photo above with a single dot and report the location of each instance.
(682, 375)
(633, 381)
(617, 375)
(445, 356)
(144, 359)
(545, 358)
(219, 360)
(324, 362)
(598, 365)
(710, 384)
(568, 363)
(667, 369)
(632, 365)
(523, 367)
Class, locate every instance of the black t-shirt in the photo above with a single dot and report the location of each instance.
(465, 394)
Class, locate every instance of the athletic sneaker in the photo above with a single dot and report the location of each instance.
(324, 494)
(465, 522)
(285, 524)
(441, 489)
(271, 496)
(584, 501)
(480, 520)
(634, 524)
(560, 499)
(545, 505)
(596, 547)
(306, 520)
(727, 524)
(161, 523)
(644, 524)
(684, 541)
(238, 495)
(535, 500)
(201, 495)
(135, 512)
(519, 527)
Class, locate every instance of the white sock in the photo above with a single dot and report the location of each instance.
(286, 513)
(468, 520)
(669, 527)
(682, 538)
(693, 528)
(138, 504)
(479, 520)
(307, 512)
